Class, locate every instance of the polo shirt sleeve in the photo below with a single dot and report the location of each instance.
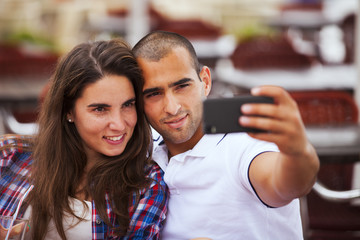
(250, 149)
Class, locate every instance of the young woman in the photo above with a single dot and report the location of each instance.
(90, 162)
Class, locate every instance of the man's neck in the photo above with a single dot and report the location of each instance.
(177, 148)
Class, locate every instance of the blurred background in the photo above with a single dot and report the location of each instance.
(309, 47)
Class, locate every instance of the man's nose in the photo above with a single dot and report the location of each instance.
(171, 105)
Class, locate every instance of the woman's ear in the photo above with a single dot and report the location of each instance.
(69, 118)
(205, 76)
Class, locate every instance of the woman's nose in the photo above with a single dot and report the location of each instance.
(117, 122)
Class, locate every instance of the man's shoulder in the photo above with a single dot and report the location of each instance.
(237, 143)
(227, 138)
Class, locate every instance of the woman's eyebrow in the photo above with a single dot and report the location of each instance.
(130, 100)
(98, 105)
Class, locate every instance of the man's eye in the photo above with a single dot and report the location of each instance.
(183, 86)
(153, 94)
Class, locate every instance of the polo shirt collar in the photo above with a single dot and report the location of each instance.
(206, 143)
(201, 149)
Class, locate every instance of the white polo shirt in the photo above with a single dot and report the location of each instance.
(211, 195)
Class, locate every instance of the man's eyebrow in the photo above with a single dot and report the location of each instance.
(98, 105)
(181, 81)
(156, 89)
(151, 90)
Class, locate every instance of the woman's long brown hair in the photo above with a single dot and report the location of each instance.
(59, 156)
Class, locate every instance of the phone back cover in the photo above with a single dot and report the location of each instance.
(221, 114)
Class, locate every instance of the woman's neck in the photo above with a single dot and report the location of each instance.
(81, 192)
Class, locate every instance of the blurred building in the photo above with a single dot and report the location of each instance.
(306, 46)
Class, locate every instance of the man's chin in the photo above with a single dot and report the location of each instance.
(176, 139)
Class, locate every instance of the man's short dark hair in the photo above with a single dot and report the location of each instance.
(156, 45)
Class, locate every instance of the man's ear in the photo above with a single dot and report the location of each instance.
(205, 76)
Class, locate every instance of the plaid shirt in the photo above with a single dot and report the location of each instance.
(146, 220)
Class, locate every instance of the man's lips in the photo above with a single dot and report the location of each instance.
(176, 123)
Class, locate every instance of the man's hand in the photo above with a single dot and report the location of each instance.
(282, 120)
(279, 178)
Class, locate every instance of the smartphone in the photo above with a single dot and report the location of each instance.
(221, 115)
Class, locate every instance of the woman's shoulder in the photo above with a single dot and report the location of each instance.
(155, 176)
(152, 170)
(14, 148)
(15, 141)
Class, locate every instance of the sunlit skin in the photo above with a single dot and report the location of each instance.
(173, 96)
(280, 177)
(173, 104)
(105, 116)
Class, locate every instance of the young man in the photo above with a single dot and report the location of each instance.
(223, 186)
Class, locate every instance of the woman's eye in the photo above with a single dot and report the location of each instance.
(129, 104)
(99, 109)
